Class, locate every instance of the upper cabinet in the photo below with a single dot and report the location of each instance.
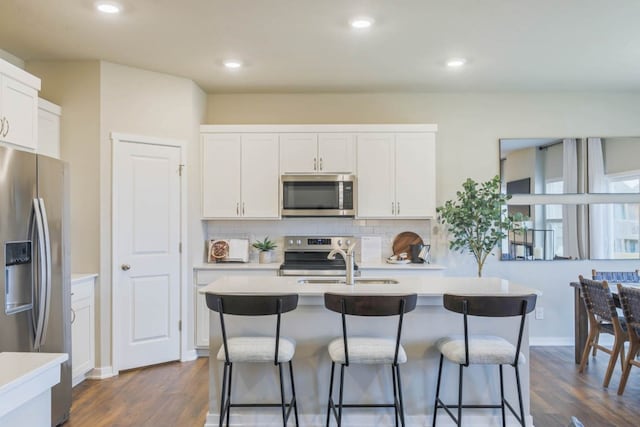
(317, 153)
(49, 128)
(18, 106)
(395, 167)
(240, 178)
(396, 175)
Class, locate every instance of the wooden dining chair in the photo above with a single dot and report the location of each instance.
(630, 301)
(603, 318)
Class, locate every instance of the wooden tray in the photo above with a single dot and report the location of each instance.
(403, 240)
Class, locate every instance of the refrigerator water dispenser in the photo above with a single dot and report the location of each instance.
(18, 273)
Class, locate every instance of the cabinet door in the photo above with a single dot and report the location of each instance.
(260, 177)
(48, 133)
(221, 175)
(376, 178)
(336, 152)
(202, 319)
(415, 175)
(82, 330)
(20, 110)
(298, 152)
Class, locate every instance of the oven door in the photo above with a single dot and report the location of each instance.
(311, 263)
(318, 195)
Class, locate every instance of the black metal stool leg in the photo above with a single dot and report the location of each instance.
(333, 367)
(283, 403)
(504, 420)
(229, 393)
(460, 397)
(435, 406)
(223, 395)
(400, 395)
(293, 392)
(341, 395)
(395, 394)
(520, 396)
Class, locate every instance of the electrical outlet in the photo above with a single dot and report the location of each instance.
(539, 313)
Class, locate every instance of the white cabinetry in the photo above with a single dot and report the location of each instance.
(317, 152)
(48, 128)
(18, 106)
(82, 327)
(205, 276)
(396, 175)
(240, 175)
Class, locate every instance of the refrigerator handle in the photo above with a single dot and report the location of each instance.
(41, 289)
(47, 251)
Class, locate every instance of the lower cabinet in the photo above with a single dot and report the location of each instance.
(202, 278)
(82, 328)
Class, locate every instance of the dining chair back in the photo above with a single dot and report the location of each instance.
(630, 302)
(603, 318)
(616, 276)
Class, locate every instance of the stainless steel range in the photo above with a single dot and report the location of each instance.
(307, 256)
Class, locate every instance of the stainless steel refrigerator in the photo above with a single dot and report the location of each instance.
(35, 302)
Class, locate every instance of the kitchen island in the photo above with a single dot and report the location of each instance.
(313, 327)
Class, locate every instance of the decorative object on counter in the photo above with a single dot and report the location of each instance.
(218, 249)
(403, 241)
(476, 220)
(401, 258)
(265, 247)
(419, 253)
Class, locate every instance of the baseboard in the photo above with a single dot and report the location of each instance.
(101, 373)
(551, 341)
(363, 420)
(202, 352)
(189, 355)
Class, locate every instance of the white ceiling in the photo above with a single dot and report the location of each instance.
(307, 45)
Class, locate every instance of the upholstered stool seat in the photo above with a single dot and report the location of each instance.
(367, 350)
(274, 349)
(348, 350)
(483, 350)
(258, 349)
(467, 349)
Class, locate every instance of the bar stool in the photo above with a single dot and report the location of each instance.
(255, 349)
(367, 350)
(483, 350)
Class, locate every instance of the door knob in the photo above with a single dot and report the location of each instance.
(125, 267)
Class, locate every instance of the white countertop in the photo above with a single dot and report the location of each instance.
(23, 376)
(237, 266)
(82, 276)
(276, 266)
(423, 286)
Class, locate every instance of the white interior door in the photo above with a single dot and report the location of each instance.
(147, 273)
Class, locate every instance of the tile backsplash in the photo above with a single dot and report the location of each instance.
(257, 230)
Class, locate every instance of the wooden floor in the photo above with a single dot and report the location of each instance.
(176, 394)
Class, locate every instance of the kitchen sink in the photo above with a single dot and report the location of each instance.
(358, 281)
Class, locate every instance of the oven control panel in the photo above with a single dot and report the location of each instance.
(316, 243)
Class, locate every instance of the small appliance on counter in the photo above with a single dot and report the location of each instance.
(228, 250)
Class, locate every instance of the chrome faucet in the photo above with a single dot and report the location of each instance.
(349, 260)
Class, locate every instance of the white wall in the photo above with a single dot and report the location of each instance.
(469, 127)
(142, 102)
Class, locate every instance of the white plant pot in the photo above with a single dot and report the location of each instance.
(265, 257)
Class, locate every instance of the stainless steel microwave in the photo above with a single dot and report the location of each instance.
(314, 195)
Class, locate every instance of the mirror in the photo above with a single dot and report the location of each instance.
(614, 231)
(612, 165)
(540, 165)
(550, 232)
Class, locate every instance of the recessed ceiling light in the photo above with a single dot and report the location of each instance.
(361, 23)
(232, 64)
(108, 7)
(456, 62)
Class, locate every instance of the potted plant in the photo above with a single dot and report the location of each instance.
(476, 220)
(265, 247)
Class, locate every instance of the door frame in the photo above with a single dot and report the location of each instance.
(117, 139)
